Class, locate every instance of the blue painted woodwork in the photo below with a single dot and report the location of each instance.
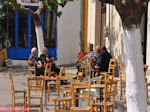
(23, 53)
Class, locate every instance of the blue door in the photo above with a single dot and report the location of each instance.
(25, 37)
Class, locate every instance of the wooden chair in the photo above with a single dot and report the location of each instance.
(31, 68)
(15, 92)
(146, 83)
(111, 70)
(61, 73)
(49, 75)
(86, 67)
(108, 103)
(64, 93)
(77, 95)
(96, 98)
(107, 76)
(37, 90)
(81, 56)
(122, 81)
(48, 71)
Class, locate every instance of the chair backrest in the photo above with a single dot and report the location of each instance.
(145, 69)
(53, 60)
(62, 86)
(48, 69)
(88, 71)
(31, 67)
(78, 95)
(38, 87)
(32, 87)
(112, 62)
(122, 73)
(109, 93)
(112, 67)
(84, 61)
(111, 70)
(12, 86)
(62, 72)
(79, 77)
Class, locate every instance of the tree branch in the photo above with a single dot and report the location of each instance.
(41, 7)
(139, 2)
(18, 7)
(108, 1)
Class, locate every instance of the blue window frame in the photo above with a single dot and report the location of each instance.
(23, 53)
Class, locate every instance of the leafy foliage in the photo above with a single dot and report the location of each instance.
(51, 5)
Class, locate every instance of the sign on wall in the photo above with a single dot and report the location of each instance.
(28, 2)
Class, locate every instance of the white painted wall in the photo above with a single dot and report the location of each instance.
(114, 43)
(68, 41)
(94, 22)
(148, 40)
(91, 21)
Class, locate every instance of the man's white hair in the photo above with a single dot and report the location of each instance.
(45, 48)
(97, 47)
(33, 49)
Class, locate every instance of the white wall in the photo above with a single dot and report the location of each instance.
(148, 40)
(114, 43)
(94, 19)
(91, 21)
(68, 41)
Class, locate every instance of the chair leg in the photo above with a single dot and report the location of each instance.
(25, 99)
(70, 104)
(95, 100)
(48, 89)
(55, 105)
(120, 95)
(41, 105)
(112, 108)
(29, 99)
(146, 89)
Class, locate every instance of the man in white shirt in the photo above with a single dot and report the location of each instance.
(91, 52)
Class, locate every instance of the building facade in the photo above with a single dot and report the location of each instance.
(105, 29)
(20, 34)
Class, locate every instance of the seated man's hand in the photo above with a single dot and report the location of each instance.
(38, 66)
(52, 58)
(96, 67)
(47, 59)
(93, 58)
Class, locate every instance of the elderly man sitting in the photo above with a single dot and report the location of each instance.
(34, 58)
(91, 54)
(47, 58)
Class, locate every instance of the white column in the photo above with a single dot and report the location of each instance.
(91, 21)
(148, 39)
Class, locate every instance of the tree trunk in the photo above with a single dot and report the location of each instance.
(39, 34)
(82, 25)
(135, 85)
